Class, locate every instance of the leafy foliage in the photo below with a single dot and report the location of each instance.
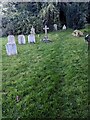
(21, 16)
(76, 16)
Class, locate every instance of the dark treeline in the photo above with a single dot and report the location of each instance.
(19, 17)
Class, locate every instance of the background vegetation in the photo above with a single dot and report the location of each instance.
(19, 17)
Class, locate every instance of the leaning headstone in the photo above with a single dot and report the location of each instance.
(11, 47)
(21, 39)
(31, 37)
(45, 39)
(55, 27)
(64, 27)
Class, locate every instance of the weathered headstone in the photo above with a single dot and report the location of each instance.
(55, 27)
(64, 27)
(21, 39)
(31, 37)
(11, 47)
(45, 39)
(77, 33)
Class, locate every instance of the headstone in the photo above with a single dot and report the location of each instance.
(11, 47)
(55, 27)
(46, 28)
(31, 37)
(77, 33)
(21, 39)
(45, 39)
(64, 27)
(87, 38)
(11, 39)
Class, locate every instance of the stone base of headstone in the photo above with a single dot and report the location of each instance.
(46, 40)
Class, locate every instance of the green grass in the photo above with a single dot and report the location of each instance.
(50, 79)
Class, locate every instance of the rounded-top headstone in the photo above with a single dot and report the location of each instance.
(64, 27)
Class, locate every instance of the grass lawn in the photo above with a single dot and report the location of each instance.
(49, 78)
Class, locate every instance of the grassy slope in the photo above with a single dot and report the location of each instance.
(50, 79)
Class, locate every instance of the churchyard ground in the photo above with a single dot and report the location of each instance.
(50, 79)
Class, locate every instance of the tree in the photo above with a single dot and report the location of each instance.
(75, 16)
(21, 16)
